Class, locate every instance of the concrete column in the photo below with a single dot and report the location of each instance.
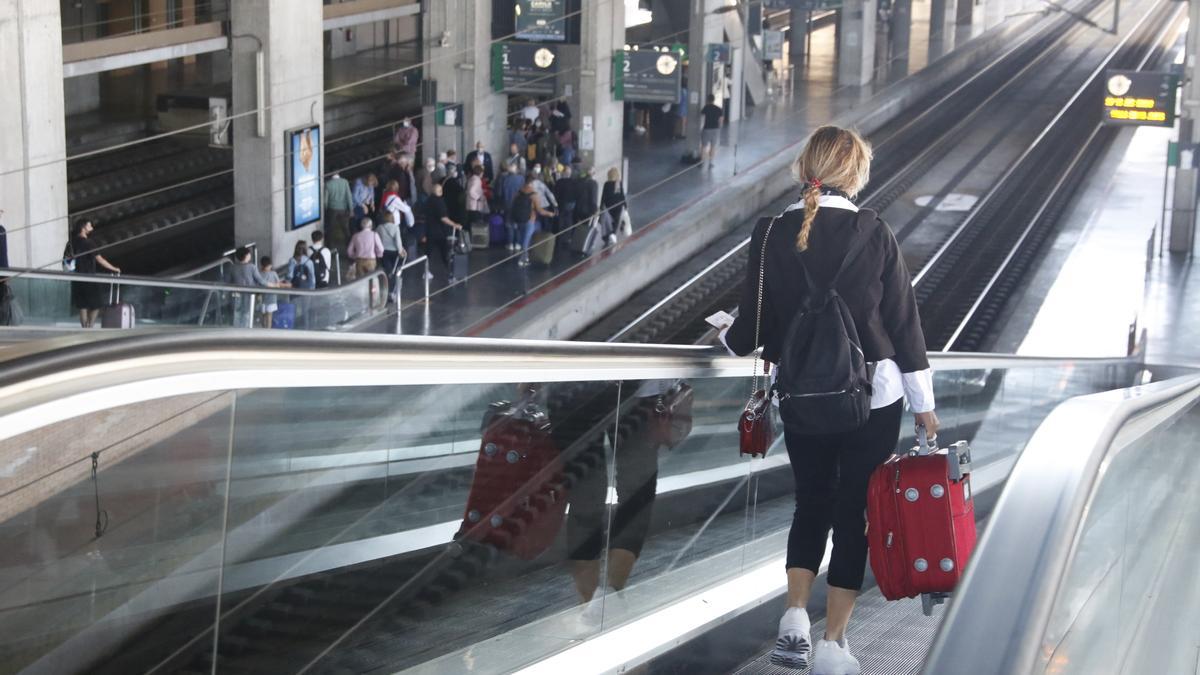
(856, 43)
(290, 33)
(797, 33)
(943, 15)
(901, 38)
(33, 169)
(704, 28)
(1182, 238)
(602, 33)
(462, 67)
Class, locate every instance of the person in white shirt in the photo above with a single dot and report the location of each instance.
(531, 111)
(823, 242)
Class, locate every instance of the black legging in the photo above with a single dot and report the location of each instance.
(583, 416)
(831, 474)
(636, 465)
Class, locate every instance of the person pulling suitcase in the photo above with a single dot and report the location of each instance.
(830, 301)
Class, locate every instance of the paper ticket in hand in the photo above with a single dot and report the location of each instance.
(720, 320)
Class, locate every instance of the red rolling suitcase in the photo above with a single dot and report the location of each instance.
(518, 498)
(921, 522)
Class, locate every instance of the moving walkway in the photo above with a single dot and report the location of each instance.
(291, 503)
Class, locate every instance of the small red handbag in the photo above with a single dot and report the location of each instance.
(673, 415)
(756, 432)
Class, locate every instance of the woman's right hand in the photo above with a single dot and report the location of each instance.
(929, 420)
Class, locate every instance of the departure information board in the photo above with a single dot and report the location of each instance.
(647, 76)
(1140, 98)
(541, 20)
(524, 68)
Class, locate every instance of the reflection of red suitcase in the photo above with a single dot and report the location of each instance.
(517, 498)
(921, 522)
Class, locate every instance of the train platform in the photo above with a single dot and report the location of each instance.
(1108, 271)
(661, 187)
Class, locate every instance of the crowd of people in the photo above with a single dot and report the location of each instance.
(440, 207)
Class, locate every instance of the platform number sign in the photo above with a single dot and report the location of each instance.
(647, 76)
(524, 68)
(1145, 98)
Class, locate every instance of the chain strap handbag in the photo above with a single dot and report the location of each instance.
(755, 429)
(672, 420)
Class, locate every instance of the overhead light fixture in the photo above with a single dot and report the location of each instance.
(637, 13)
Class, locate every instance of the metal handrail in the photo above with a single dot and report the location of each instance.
(998, 620)
(426, 276)
(156, 282)
(219, 262)
(53, 380)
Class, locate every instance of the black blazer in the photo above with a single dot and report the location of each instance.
(486, 160)
(876, 286)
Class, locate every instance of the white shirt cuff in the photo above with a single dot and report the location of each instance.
(918, 389)
(721, 337)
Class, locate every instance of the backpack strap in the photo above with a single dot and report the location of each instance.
(866, 225)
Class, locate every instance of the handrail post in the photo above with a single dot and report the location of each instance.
(427, 277)
(337, 265)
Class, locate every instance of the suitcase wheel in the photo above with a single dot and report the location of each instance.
(930, 600)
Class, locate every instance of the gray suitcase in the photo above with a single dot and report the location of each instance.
(459, 262)
(117, 314)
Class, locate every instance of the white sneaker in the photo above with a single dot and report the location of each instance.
(793, 646)
(834, 658)
(593, 612)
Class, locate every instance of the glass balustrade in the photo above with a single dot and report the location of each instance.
(45, 299)
(349, 528)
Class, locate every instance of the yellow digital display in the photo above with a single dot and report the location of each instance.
(1127, 102)
(1138, 115)
(1140, 97)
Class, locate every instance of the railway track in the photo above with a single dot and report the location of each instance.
(673, 309)
(169, 202)
(291, 619)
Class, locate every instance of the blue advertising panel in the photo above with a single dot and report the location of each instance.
(304, 176)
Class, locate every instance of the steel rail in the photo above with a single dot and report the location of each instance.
(1051, 196)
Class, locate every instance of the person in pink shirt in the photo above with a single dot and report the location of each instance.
(407, 137)
(365, 249)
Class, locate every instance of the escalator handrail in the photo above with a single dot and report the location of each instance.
(997, 621)
(175, 284)
(49, 381)
(222, 261)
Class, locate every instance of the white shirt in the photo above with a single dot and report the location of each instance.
(889, 384)
(530, 113)
(328, 258)
(396, 206)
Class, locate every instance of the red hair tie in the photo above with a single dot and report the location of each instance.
(815, 183)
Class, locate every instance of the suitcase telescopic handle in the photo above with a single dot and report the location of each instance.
(925, 443)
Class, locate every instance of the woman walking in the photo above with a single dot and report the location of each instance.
(810, 240)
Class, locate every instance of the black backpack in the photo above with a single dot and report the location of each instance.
(823, 384)
(522, 208)
(319, 267)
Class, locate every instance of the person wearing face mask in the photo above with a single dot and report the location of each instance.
(407, 137)
(426, 178)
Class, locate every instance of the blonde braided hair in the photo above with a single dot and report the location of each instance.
(833, 156)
